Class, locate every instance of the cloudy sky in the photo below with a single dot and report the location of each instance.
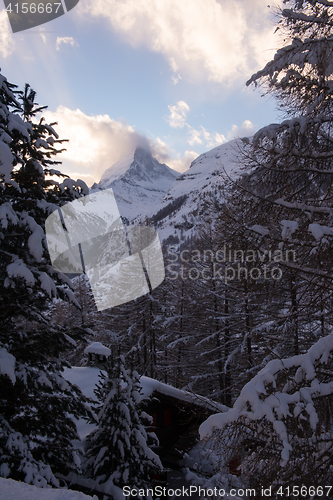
(169, 73)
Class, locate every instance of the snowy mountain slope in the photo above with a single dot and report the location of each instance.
(190, 198)
(139, 183)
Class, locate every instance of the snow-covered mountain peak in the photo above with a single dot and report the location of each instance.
(147, 169)
(139, 182)
(115, 171)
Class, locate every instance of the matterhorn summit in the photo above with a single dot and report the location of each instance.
(139, 183)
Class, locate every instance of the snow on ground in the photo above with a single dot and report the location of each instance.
(15, 490)
(85, 377)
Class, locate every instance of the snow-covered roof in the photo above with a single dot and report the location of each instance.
(149, 386)
(87, 377)
(97, 348)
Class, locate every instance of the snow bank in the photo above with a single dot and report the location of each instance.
(15, 490)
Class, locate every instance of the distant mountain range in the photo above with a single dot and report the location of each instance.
(177, 204)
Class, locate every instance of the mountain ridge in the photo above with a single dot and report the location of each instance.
(197, 192)
(177, 204)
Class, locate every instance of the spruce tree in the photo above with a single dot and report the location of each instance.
(36, 403)
(118, 450)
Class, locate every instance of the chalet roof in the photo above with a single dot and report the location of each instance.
(97, 348)
(149, 386)
(87, 378)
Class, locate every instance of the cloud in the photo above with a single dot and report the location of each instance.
(43, 37)
(65, 40)
(7, 43)
(176, 78)
(182, 162)
(95, 142)
(210, 140)
(178, 113)
(161, 151)
(218, 40)
(203, 137)
(195, 136)
(246, 130)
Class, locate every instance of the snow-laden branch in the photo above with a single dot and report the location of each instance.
(300, 16)
(304, 207)
(256, 402)
(299, 53)
(326, 3)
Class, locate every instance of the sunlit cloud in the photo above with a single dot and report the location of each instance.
(195, 136)
(97, 142)
(176, 78)
(178, 113)
(7, 43)
(216, 40)
(245, 130)
(181, 163)
(161, 151)
(210, 140)
(65, 40)
(203, 137)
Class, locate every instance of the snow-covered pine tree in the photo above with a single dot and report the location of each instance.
(300, 74)
(145, 461)
(119, 451)
(36, 402)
